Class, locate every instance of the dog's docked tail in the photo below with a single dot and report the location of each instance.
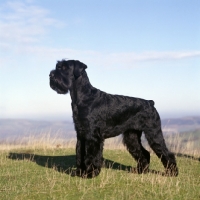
(151, 102)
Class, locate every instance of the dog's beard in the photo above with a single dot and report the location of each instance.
(58, 86)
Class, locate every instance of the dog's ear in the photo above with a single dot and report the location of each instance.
(79, 68)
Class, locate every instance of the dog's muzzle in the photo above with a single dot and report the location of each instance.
(56, 83)
(52, 75)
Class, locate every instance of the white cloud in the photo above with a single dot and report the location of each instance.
(128, 59)
(156, 56)
(23, 23)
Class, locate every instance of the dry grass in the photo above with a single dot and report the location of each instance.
(47, 141)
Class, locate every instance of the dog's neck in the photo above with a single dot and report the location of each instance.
(81, 89)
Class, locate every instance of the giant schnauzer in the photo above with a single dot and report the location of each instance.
(98, 115)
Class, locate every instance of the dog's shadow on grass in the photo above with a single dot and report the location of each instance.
(66, 164)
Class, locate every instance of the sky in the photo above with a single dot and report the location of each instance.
(146, 49)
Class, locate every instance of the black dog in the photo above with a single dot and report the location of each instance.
(98, 115)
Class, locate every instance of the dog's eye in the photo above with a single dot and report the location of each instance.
(61, 68)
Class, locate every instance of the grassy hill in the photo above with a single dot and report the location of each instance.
(41, 169)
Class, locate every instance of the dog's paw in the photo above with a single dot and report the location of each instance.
(171, 170)
(143, 168)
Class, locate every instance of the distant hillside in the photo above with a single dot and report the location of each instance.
(11, 129)
(193, 137)
(177, 125)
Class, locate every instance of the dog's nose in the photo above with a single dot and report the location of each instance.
(51, 75)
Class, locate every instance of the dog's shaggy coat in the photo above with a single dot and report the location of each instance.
(98, 115)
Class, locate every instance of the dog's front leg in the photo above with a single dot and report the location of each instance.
(93, 158)
(80, 155)
(89, 157)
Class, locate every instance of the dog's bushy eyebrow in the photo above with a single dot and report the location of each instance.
(59, 63)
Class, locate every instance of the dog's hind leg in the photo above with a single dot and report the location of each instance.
(157, 143)
(132, 140)
(154, 136)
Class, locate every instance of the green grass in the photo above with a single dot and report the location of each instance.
(44, 173)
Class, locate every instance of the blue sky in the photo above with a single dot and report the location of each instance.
(146, 49)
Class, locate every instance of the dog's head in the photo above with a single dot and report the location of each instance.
(66, 72)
